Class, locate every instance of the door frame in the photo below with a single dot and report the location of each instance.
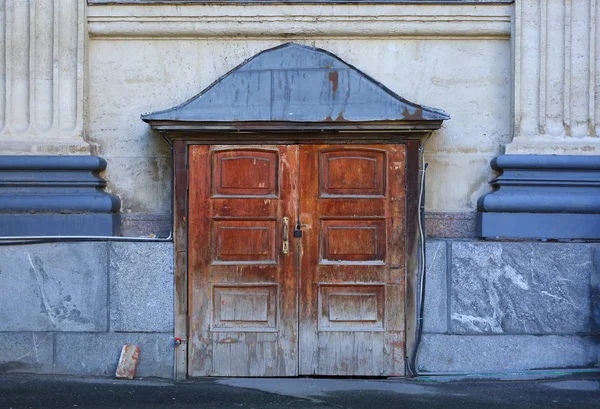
(180, 142)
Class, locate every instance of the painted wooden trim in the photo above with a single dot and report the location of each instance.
(180, 161)
(180, 187)
(297, 136)
(212, 131)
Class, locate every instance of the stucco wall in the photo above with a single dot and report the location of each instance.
(151, 57)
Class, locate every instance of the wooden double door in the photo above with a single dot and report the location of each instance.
(296, 260)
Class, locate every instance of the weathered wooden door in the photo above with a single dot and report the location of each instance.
(248, 272)
(352, 285)
(242, 281)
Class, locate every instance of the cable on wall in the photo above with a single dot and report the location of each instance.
(412, 362)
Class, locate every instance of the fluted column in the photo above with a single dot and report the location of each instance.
(556, 77)
(41, 77)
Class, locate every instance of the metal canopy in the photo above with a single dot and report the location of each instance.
(297, 88)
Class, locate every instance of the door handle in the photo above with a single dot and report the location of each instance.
(285, 246)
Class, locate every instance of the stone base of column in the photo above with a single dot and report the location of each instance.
(76, 146)
(59, 225)
(548, 145)
(567, 226)
(56, 195)
(542, 197)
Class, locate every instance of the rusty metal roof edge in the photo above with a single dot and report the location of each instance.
(420, 126)
(440, 113)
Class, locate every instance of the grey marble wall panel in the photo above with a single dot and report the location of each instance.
(145, 224)
(521, 288)
(98, 354)
(451, 225)
(54, 286)
(500, 353)
(141, 287)
(595, 292)
(26, 352)
(435, 317)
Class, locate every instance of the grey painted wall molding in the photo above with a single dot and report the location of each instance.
(542, 196)
(56, 195)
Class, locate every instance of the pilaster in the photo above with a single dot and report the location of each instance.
(41, 77)
(556, 77)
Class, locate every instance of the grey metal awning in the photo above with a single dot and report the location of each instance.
(296, 86)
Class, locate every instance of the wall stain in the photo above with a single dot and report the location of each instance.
(417, 115)
(63, 309)
(334, 78)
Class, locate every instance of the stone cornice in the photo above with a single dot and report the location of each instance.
(299, 21)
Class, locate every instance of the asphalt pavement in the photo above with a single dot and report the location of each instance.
(23, 391)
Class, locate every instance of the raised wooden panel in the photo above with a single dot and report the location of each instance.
(244, 241)
(242, 172)
(246, 308)
(351, 307)
(242, 313)
(352, 173)
(353, 241)
(352, 275)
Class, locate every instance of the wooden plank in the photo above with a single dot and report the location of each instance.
(312, 347)
(243, 288)
(394, 352)
(180, 256)
(397, 211)
(352, 284)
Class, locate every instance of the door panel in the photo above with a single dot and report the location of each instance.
(347, 271)
(348, 240)
(352, 205)
(243, 288)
